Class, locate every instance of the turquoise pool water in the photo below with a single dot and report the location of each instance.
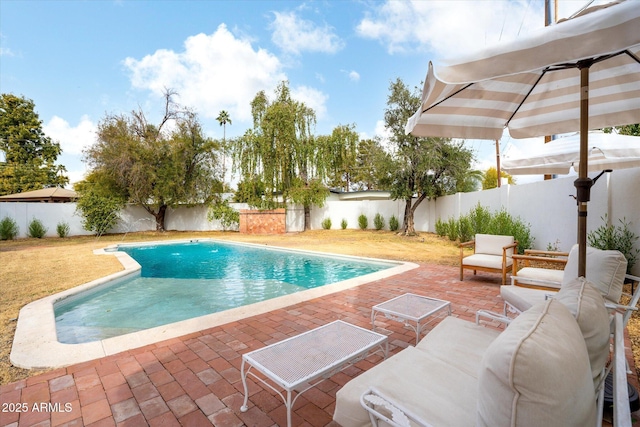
(185, 280)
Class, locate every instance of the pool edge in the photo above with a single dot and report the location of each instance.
(35, 344)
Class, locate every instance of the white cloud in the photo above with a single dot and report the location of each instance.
(214, 72)
(295, 35)
(447, 28)
(354, 76)
(72, 139)
(312, 98)
(453, 28)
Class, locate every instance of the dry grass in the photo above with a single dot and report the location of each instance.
(34, 268)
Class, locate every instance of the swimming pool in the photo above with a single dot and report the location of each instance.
(184, 280)
(36, 345)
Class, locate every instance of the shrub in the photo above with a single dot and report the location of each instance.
(479, 219)
(62, 229)
(394, 224)
(619, 238)
(8, 229)
(326, 223)
(36, 229)
(378, 222)
(363, 222)
(223, 212)
(554, 247)
(99, 212)
(343, 224)
(452, 229)
(442, 228)
(504, 224)
(465, 229)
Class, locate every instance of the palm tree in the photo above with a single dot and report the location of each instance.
(223, 118)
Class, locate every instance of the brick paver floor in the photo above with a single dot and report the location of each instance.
(195, 380)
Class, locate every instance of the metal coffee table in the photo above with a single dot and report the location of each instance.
(410, 309)
(302, 362)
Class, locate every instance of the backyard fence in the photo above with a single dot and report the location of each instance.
(548, 206)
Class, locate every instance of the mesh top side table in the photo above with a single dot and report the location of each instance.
(302, 362)
(410, 309)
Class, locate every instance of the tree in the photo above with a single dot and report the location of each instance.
(29, 155)
(632, 130)
(472, 181)
(424, 167)
(100, 201)
(340, 151)
(281, 152)
(373, 165)
(157, 166)
(490, 178)
(224, 118)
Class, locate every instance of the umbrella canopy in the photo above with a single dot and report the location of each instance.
(560, 156)
(579, 74)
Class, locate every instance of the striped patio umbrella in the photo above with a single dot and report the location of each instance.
(562, 155)
(579, 74)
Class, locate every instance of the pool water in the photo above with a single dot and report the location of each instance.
(186, 280)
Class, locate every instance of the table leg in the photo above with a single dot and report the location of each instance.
(288, 405)
(243, 375)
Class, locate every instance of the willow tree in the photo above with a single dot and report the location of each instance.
(340, 152)
(280, 154)
(425, 168)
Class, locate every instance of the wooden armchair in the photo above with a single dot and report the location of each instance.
(539, 268)
(491, 253)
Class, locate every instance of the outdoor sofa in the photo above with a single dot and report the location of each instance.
(605, 269)
(546, 369)
(492, 253)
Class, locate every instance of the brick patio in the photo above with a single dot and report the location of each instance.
(195, 380)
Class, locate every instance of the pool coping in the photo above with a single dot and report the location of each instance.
(35, 343)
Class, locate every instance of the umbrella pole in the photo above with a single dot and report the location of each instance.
(583, 183)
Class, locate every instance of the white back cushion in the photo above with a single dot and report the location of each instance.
(586, 304)
(605, 270)
(490, 244)
(537, 372)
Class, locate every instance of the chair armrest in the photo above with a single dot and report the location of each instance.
(539, 258)
(469, 244)
(493, 316)
(622, 412)
(373, 401)
(513, 246)
(548, 254)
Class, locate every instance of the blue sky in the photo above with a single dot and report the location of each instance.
(79, 60)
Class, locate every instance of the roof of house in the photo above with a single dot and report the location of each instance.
(51, 195)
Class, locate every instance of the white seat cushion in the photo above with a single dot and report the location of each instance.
(605, 270)
(552, 277)
(434, 380)
(537, 372)
(487, 261)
